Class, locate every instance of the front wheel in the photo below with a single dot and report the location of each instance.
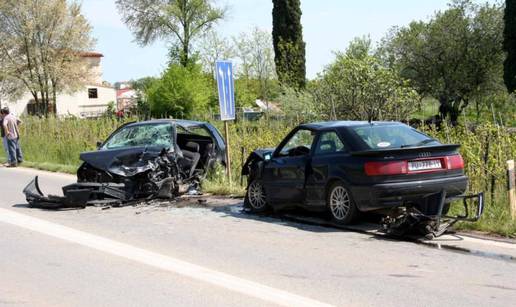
(255, 198)
(340, 204)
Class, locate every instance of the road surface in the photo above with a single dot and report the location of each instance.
(219, 256)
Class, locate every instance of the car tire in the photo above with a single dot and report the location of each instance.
(341, 206)
(255, 197)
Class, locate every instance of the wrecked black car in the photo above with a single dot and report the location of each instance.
(349, 167)
(140, 160)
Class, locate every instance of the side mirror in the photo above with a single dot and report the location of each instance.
(99, 144)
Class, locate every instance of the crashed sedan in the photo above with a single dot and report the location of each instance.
(349, 167)
(140, 160)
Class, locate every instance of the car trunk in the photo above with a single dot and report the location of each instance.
(412, 163)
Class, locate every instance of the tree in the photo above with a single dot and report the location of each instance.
(181, 21)
(454, 57)
(289, 48)
(509, 45)
(256, 61)
(181, 92)
(214, 48)
(362, 89)
(41, 43)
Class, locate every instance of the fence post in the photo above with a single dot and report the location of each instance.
(511, 187)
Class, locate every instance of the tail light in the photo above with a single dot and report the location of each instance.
(454, 162)
(402, 167)
(386, 168)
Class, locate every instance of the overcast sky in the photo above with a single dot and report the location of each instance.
(328, 25)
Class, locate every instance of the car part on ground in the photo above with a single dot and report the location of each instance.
(347, 167)
(404, 220)
(140, 161)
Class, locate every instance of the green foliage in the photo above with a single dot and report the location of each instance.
(362, 89)
(179, 21)
(181, 92)
(289, 48)
(455, 57)
(299, 104)
(510, 45)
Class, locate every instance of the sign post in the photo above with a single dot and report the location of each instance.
(226, 89)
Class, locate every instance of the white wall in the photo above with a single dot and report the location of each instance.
(78, 104)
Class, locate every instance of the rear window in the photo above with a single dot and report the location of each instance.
(392, 136)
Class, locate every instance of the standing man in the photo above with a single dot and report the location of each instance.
(4, 138)
(12, 134)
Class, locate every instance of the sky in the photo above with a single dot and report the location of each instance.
(328, 26)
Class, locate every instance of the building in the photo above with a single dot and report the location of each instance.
(126, 97)
(91, 101)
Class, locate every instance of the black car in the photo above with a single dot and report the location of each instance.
(347, 167)
(140, 160)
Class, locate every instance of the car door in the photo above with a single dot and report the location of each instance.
(328, 150)
(285, 173)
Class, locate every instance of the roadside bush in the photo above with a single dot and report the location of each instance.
(181, 92)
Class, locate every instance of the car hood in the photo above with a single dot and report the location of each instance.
(124, 161)
(258, 154)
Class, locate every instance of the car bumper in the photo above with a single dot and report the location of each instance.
(391, 195)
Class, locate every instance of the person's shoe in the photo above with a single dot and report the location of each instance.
(20, 161)
(12, 165)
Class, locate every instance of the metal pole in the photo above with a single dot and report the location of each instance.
(228, 159)
(511, 187)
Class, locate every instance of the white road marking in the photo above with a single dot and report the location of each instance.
(160, 261)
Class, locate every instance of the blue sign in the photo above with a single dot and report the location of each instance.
(226, 87)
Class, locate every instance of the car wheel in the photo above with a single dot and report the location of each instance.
(340, 204)
(255, 198)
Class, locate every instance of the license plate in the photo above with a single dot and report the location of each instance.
(424, 165)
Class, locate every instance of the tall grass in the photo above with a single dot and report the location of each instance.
(56, 144)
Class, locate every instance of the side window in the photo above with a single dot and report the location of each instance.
(301, 141)
(329, 142)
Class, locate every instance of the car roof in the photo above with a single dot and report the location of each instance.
(345, 124)
(179, 122)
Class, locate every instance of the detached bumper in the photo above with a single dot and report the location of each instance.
(391, 195)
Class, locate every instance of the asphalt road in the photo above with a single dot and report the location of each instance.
(218, 256)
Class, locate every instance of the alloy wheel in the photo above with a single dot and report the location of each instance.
(340, 203)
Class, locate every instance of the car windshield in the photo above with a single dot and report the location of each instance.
(392, 136)
(153, 135)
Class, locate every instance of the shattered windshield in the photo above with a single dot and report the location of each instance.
(153, 135)
(392, 136)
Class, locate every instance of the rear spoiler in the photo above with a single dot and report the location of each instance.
(392, 151)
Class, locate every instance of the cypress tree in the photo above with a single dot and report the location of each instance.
(509, 45)
(289, 48)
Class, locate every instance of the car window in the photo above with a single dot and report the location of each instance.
(302, 138)
(142, 135)
(392, 136)
(329, 142)
(194, 130)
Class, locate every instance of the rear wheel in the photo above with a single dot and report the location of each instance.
(340, 204)
(255, 198)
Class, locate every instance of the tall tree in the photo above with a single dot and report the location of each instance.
(454, 57)
(40, 48)
(180, 21)
(289, 48)
(509, 45)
